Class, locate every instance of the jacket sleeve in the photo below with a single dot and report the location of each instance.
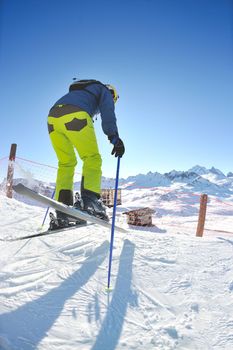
(107, 112)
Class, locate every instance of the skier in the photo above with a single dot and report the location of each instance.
(70, 126)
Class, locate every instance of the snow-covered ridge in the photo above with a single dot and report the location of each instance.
(197, 179)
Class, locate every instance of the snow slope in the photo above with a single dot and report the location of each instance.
(171, 290)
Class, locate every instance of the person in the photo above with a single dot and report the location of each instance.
(70, 127)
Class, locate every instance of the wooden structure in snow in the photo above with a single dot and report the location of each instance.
(10, 171)
(140, 217)
(202, 215)
(107, 196)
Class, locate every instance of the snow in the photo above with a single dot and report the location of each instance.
(170, 289)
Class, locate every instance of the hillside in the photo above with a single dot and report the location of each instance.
(171, 290)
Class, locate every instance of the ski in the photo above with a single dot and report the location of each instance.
(70, 211)
(45, 233)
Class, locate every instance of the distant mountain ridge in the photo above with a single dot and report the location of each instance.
(197, 179)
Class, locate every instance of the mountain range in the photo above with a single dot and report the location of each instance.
(197, 179)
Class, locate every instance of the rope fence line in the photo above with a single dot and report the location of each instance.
(223, 202)
(176, 194)
(221, 231)
(34, 162)
(211, 198)
(41, 164)
(191, 228)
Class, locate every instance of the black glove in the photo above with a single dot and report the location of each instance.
(119, 148)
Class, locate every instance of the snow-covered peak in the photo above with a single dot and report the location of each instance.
(217, 172)
(181, 176)
(146, 180)
(200, 170)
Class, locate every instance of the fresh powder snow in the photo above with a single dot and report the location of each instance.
(170, 289)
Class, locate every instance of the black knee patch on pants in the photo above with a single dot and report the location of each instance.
(66, 197)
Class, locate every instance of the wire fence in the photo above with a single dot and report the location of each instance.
(42, 177)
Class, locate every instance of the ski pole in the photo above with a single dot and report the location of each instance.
(113, 223)
(47, 210)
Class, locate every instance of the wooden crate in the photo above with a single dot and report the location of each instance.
(107, 196)
(140, 217)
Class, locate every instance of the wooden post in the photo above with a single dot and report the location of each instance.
(10, 171)
(202, 215)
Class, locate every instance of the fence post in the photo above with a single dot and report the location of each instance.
(202, 215)
(10, 170)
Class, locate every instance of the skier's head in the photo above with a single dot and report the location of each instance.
(113, 92)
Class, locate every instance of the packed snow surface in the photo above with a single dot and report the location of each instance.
(170, 289)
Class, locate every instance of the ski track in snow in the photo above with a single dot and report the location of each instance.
(171, 290)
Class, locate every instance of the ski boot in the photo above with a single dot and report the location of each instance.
(78, 204)
(58, 222)
(93, 205)
(62, 221)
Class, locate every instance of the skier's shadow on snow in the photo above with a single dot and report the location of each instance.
(28, 325)
(122, 296)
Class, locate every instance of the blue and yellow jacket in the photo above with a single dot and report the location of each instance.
(94, 99)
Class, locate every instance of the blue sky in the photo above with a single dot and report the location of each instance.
(171, 61)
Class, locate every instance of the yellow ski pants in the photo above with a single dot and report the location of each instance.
(70, 132)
